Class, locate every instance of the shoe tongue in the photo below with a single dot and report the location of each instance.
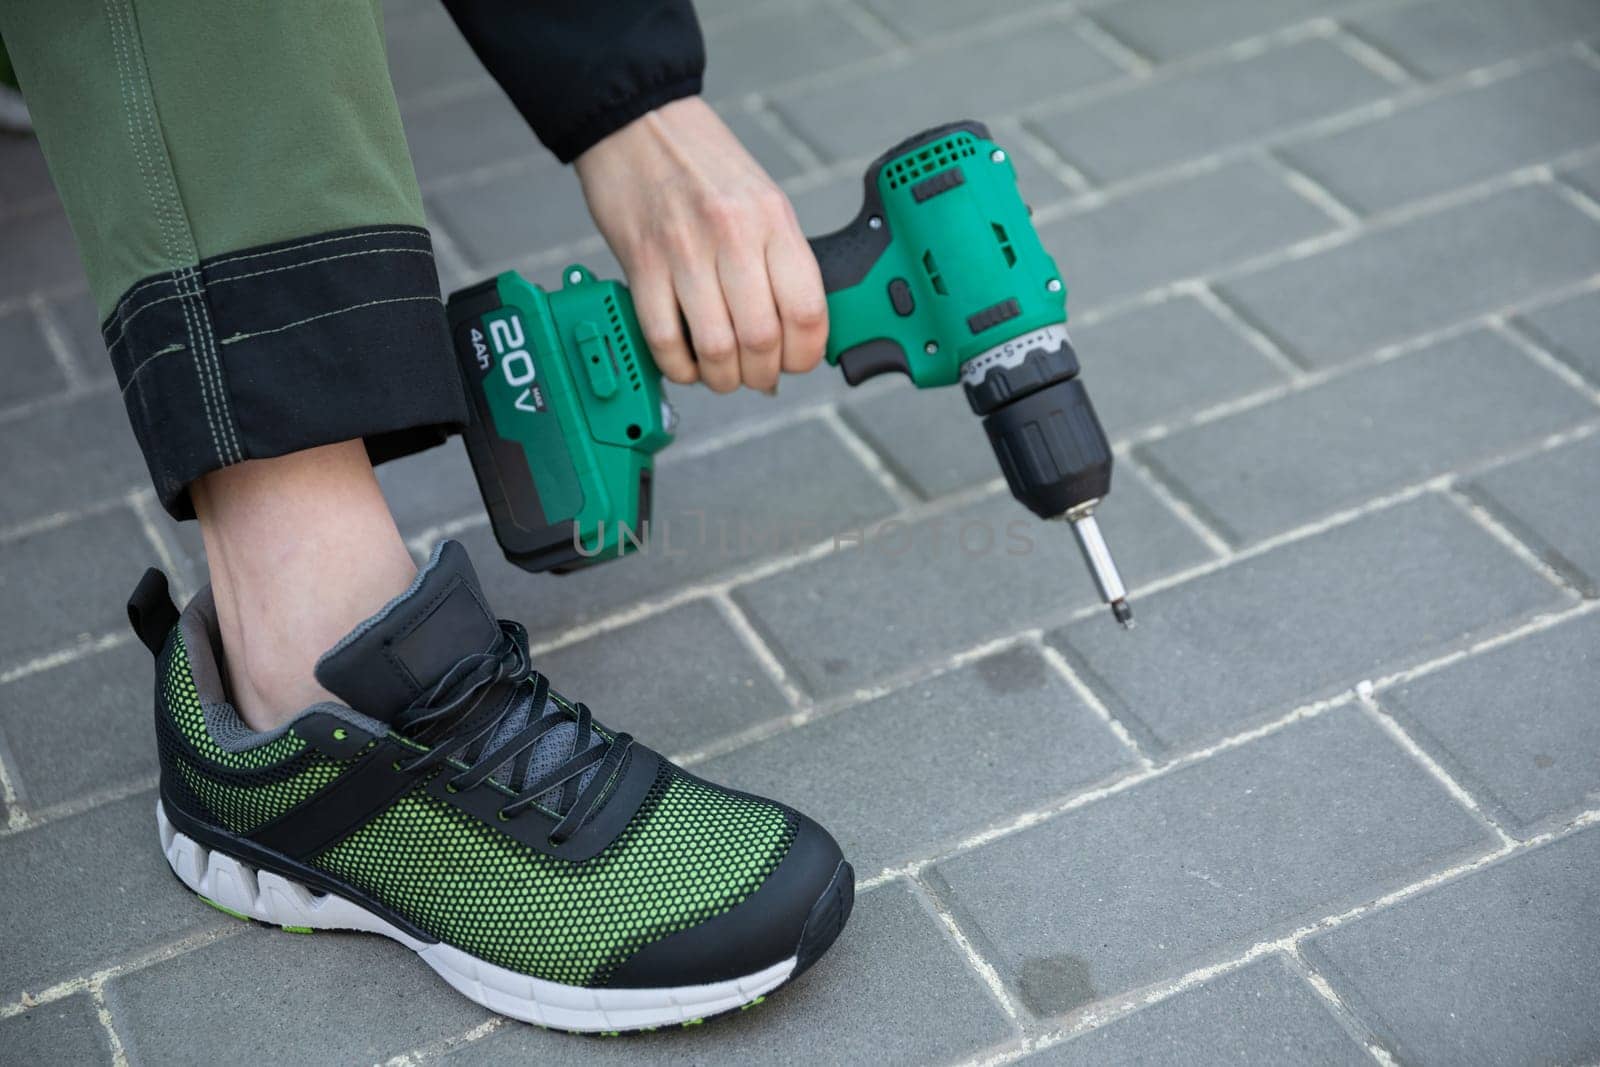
(400, 653)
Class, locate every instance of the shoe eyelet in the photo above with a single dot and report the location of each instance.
(502, 816)
(451, 787)
(340, 733)
(398, 769)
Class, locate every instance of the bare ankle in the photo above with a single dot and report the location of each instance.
(302, 548)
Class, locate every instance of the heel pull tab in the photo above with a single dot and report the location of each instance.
(151, 612)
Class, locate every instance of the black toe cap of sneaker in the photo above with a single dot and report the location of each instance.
(798, 911)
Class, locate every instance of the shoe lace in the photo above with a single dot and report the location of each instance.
(452, 717)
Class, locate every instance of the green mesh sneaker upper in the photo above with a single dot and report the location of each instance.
(459, 798)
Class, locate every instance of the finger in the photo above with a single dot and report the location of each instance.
(802, 304)
(743, 273)
(655, 301)
(710, 329)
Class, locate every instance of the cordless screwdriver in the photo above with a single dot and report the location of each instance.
(940, 276)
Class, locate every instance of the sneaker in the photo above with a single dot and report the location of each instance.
(549, 868)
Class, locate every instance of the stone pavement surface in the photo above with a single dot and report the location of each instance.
(1335, 271)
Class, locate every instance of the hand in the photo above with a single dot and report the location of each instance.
(698, 225)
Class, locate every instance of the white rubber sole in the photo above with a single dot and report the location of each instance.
(245, 891)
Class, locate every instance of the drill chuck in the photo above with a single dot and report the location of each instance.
(1049, 442)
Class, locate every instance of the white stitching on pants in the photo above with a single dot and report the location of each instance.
(419, 232)
(208, 340)
(326, 315)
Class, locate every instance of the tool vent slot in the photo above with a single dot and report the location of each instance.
(934, 277)
(621, 345)
(1005, 244)
(930, 159)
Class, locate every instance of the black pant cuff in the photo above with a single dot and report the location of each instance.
(272, 350)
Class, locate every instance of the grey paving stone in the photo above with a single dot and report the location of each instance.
(82, 727)
(1448, 266)
(24, 178)
(892, 990)
(65, 456)
(86, 891)
(1156, 364)
(859, 115)
(1553, 502)
(431, 487)
(677, 681)
(1262, 1014)
(1497, 966)
(1363, 434)
(428, 56)
(1585, 176)
(929, 437)
(1178, 230)
(1458, 139)
(80, 324)
(1196, 866)
(1516, 725)
(765, 497)
(1168, 29)
(31, 370)
(1304, 621)
(466, 133)
(513, 213)
(774, 45)
(927, 765)
(928, 18)
(1571, 329)
(63, 1031)
(703, 414)
(68, 582)
(351, 998)
(39, 252)
(1211, 109)
(911, 594)
(1448, 36)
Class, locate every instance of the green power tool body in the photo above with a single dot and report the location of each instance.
(940, 276)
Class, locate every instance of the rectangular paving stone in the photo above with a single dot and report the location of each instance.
(1304, 621)
(929, 438)
(1155, 364)
(63, 1031)
(678, 680)
(765, 497)
(1553, 501)
(1516, 725)
(1184, 229)
(892, 990)
(24, 177)
(929, 764)
(1448, 36)
(928, 18)
(1263, 1014)
(31, 369)
(1360, 435)
(70, 582)
(768, 47)
(38, 253)
(63, 456)
(352, 998)
(80, 323)
(82, 727)
(1570, 329)
(703, 414)
(469, 132)
(911, 594)
(427, 54)
(514, 213)
(1586, 176)
(1169, 29)
(1208, 110)
(1194, 867)
(1497, 966)
(861, 114)
(431, 487)
(1458, 139)
(83, 892)
(1429, 272)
